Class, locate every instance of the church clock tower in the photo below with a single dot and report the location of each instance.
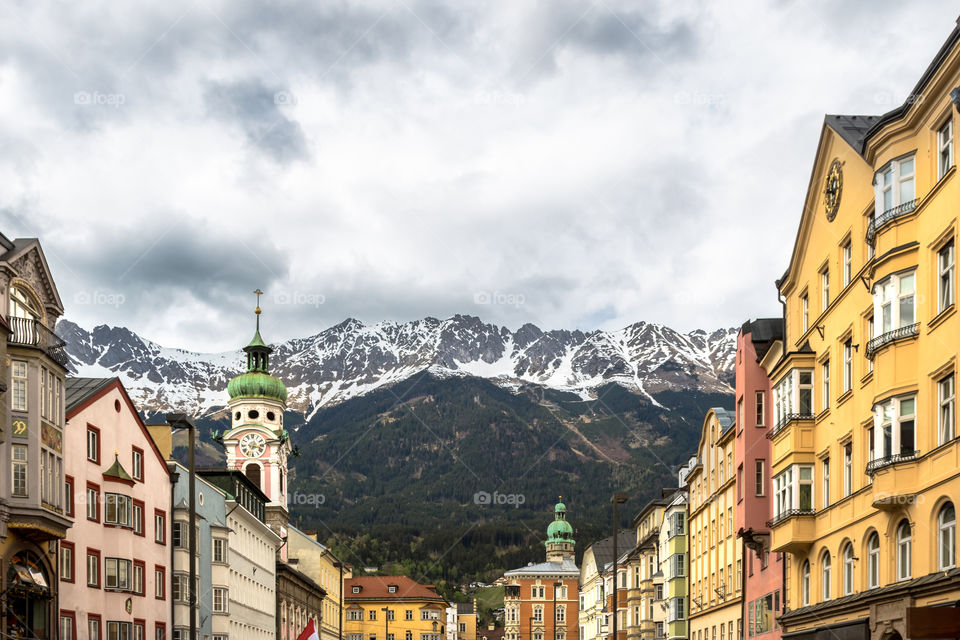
(256, 443)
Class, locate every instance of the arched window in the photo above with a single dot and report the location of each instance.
(848, 569)
(825, 576)
(903, 550)
(253, 474)
(805, 583)
(947, 536)
(873, 560)
(23, 304)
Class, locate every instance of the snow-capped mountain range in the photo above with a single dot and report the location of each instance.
(351, 359)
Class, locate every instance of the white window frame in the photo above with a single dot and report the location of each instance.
(19, 476)
(122, 574)
(804, 313)
(946, 259)
(895, 300)
(787, 489)
(93, 445)
(891, 413)
(826, 571)
(759, 399)
(900, 172)
(114, 501)
(945, 148)
(846, 253)
(220, 550)
(848, 365)
(20, 379)
(220, 600)
(825, 476)
(946, 415)
(946, 538)
(873, 561)
(904, 551)
(825, 383)
(848, 569)
(136, 463)
(824, 289)
(847, 469)
(118, 630)
(788, 391)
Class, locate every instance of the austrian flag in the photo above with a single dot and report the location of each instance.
(309, 632)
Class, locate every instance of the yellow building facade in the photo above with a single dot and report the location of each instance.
(716, 557)
(865, 457)
(392, 608)
(319, 563)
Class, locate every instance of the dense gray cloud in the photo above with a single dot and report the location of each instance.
(576, 164)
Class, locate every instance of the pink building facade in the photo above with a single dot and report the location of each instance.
(762, 570)
(114, 562)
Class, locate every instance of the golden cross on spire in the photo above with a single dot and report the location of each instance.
(257, 310)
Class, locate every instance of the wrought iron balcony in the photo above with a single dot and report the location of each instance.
(888, 215)
(789, 513)
(880, 463)
(29, 332)
(786, 420)
(902, 333)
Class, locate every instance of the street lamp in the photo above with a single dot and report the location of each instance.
(181, 421)
(616, 499)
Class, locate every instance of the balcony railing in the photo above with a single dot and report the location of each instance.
(880, 463)
(789, 513)
(30, 332)
(887, 216)
(902, 333)
(786, 420)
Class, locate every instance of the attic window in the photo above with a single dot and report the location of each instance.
(392, 588)
(356, 589)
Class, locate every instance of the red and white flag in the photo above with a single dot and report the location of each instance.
(309, 632)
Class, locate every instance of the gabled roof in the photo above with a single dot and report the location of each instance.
(853, 129)
(603, 549)
(376, 588)
(12, 250)
(567, 565)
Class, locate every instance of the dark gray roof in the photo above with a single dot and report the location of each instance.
(763, 333)
(852, 129)
(80, 389)
(724, 417)
(465, 608)
(603, 549)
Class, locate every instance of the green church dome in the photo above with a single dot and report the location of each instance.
(560, 530)
(257, 381)
(257, 385)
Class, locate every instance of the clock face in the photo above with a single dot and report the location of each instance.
(832, 188)
(252, 445)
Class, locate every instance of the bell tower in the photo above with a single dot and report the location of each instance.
(256, 443)
(560, 542)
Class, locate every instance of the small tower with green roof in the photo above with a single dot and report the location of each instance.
(560, 542)
(256, 443)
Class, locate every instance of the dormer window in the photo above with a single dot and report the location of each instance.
(356, 590)
(392, 588)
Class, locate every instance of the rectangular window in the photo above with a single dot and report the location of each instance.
(93, 568)
(137, 517)
(793, 489)
(138, 570)
(178, 534)
(848, 365)
(117, 572)
(93, 626)
(759, 478)
(66, 561)
(221, 600)
(219, 550)
(825, 472)
(118, 508)
(945, 286)
(93, 502)
(93, 444)
(894, 428)
(793, 395)
(159, 582)
(138, 626)
(18, 453)
(847, 252)
(825, 376)
(119, 630)
(759, 400)
(824, 289)
(160, 631)
(894, 185)
(946, 393)
(67, 625)
(847, 469)
(137, 464)
(159, 526)
(804, 313)
(68, 495)
(893, 302)
(18, 388)
(945, 148)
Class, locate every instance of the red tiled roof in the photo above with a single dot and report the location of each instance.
(377, 588)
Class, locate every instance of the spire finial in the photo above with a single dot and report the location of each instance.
(257, 310)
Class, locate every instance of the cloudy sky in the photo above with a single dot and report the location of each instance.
(573, 164)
